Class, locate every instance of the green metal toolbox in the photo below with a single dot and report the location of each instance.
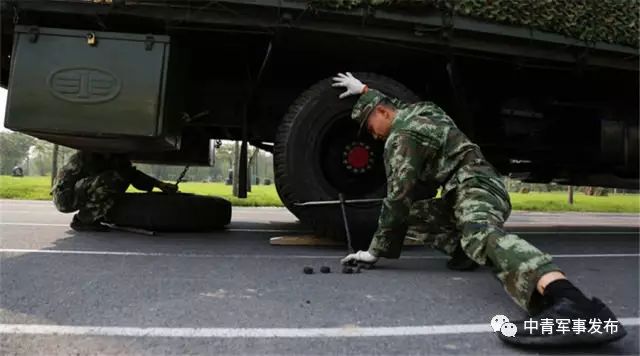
(73, 83)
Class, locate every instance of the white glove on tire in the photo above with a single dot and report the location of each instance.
(360, 256)
(348, 81)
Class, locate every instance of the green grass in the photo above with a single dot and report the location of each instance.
(28, 188)
(37, 188)
(557, 201)
(260, 195)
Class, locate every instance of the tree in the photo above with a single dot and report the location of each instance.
(41, 156)
(225, 158)
(14, 149)
(236, 168)
(265, 165)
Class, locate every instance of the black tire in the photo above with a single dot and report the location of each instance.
(171, 212)
(312, 140)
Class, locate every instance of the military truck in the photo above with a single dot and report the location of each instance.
(549, 90)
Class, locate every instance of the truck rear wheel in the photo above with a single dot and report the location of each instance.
(319, 154)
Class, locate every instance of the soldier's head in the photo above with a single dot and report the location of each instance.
(380, 119)
(375, 112)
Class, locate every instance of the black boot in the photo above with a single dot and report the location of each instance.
(78, 225)
(593, 314)
(460, 261)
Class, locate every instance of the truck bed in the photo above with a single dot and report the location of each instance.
(426, 28)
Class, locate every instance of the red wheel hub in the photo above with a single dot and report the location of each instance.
(358, 157)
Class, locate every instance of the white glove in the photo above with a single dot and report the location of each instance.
(360, 256)
(353, 85)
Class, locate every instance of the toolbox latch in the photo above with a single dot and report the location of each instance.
(148, 42)
(91, 39)
(34, 32)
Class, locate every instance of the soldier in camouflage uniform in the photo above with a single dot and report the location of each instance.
(424, 147)
(90, 182)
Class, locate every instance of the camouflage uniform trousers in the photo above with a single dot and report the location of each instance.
(93, 196)
(474, 215)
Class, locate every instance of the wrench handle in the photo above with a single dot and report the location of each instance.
(346, 223)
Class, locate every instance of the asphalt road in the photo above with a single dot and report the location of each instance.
(232, 292)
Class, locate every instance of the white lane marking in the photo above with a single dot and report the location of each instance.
(343, 332)
(162, 254)
(603, 255)
(218, 231)
(308, 231)
(247, 256)
(269, 230)
(31, 224)
(17, 212)
(600, 255)
(621, 223)
(579, 232)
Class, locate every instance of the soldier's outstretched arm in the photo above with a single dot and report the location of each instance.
(141, 181)
(403, 160)
(144, 182)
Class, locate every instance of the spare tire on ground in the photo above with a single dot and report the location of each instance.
(318, 154)
(171, 212)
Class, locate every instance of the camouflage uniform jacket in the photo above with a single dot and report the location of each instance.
(424, 148)
(86, 164)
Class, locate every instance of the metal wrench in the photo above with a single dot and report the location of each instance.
(346, 223)
(336, 202)
(130, 229)
(343, 203)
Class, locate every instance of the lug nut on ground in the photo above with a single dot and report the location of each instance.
(347, 270)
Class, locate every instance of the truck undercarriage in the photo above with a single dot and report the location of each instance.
(541, 106)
